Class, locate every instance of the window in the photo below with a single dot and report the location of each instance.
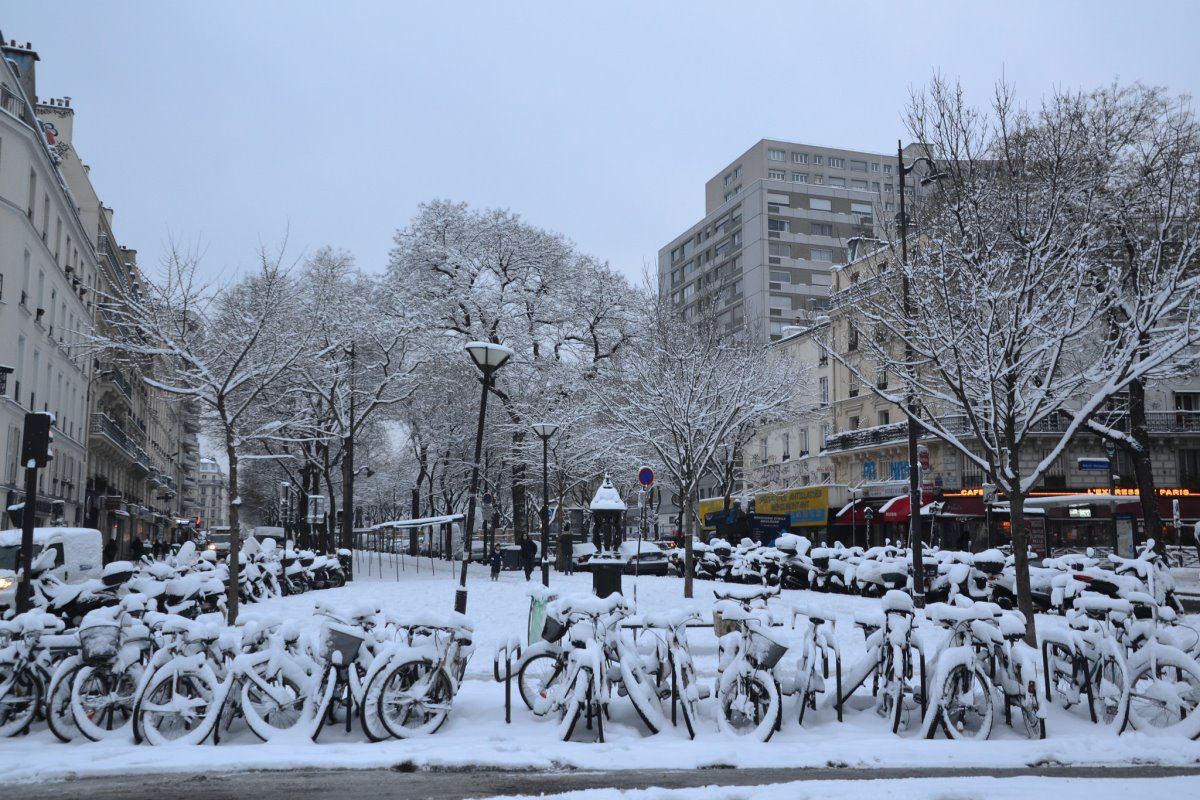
(874, 166)
(799, 177)
(777, 225)
(728, 178)
(887, 169)
(857, 184)
(776, 175)
(1189, 469)
(799, 158)
(885, 417)
(819, 180)
(837, 163)
(781, 277)
(862, 208)
(875, 187)
(868, 471)
(835, 181)
(821, 229)
(804, 441)
(881, 380)
(858, 166)
(780, 250)
(821, 254)
(32, 194)
(776, 155)
(855, 424)
(762, 450)
(853, 388)
(820, 204)
(852, 344)
(818, 159)
(787, 447)
(823, 391)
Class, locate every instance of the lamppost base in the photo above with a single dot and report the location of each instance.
(460, 601)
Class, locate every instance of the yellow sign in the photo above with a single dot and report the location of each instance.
(802, 507)
(707, 507)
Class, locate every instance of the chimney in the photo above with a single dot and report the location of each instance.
(25, 60)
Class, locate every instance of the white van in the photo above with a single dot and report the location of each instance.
(78, 556)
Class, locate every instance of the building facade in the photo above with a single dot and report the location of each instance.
(776, 220)
(47, 274)
(125, 454)
(214, 495)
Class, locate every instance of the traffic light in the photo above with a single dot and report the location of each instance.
(37, 444)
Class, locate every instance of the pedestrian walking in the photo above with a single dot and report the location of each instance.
(110, 549)
(497, 561)
(137, 549)
(528, 552)
(568, 550)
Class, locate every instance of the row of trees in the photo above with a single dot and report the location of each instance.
(311, 373)
(1053, 272)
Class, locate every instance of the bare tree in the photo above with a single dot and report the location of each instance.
(225, 350)
(687, 394)
(1014, 287)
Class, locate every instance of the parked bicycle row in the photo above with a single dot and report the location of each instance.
(190, 583)
(129, 673)
(794, 563)
(133, 673)
(950, 668)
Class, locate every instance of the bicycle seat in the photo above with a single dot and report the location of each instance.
(898, 602)
(950, 616)
(1098, 606)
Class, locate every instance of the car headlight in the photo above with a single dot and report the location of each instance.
(5, 583)
(212, 545)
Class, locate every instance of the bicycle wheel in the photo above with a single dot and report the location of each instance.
(102, 700)
(535, 679)
(578, 698)
(415, 699)
(20, 704)
(641, 692)
(1108, 694)
(966, 703)
(60, 717)
(178, 706)
(749, 705)
(318, 709)
(1164, 695)
(277, 706)
(689, 692)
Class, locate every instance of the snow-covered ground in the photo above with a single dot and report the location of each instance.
(477, 735)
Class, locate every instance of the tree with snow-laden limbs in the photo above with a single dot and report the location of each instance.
(1052, 268)
(489, 276)
(687, 393)
(226, 350)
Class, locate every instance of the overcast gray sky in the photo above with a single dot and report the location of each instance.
(227, 124)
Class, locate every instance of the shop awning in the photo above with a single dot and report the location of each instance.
(896, 509)
(849, 515)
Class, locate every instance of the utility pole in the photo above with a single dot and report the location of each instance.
(348, 478)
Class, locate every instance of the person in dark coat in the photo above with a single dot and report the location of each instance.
(568, 551)
(110, 549)
(528, 552)
(496, 561)
(137, 549)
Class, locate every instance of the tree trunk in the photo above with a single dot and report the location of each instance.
(235, 544)
(1020, 545)
(520, 522)
(686, 526)
(1143, 471)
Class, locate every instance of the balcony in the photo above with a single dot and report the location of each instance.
(12, 103)
(111, 375)
(104, 428)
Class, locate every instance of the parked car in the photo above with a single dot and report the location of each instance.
(581, 554)
(77, 556)
(650, 560)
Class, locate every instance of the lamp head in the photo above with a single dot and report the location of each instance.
(488, 356)
(545, 429)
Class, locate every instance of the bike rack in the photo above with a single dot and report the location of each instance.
(511, 652)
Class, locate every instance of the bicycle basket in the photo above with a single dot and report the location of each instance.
(100, 643)
(763, 650)
(553, 629)
(340, 641)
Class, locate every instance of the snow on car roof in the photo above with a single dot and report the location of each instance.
(12, 536)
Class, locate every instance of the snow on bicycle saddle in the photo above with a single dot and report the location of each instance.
(897, 602)
(746, 593)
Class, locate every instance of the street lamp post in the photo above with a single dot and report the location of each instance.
(914, 485)
(488, 357)
(545, 430)
(869, 513)
(853, 516)
(1110, 449)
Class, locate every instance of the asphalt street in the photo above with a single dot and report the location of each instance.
(411, 784)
